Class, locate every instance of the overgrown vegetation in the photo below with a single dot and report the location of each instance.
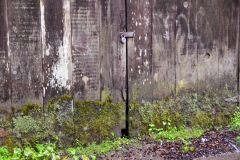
(85, 130)
(96, 120)
(62, 124)
(51, 151)
(235, 121)
(173, 133)
(204, 110)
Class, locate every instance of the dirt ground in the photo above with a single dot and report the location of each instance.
(212, 145)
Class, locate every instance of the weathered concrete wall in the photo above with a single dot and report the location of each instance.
(48, 48)
(56, 47)
(25, 51)
(85, 49)
(182, 46)
(5, 98)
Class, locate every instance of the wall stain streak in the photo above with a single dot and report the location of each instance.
(49, 48)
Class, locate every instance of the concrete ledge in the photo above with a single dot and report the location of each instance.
(224, 156)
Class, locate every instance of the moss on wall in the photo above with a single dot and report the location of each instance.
(105, 93)
(96, 119)
(207, 109)
(63, 124)
(93, 120)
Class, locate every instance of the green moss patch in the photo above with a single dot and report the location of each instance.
(204, 110)
(66, 122)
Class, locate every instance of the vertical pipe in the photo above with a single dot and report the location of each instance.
(127, 87)
(125, 132)
(238, 48)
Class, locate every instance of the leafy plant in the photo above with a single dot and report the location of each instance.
(4, 154)
(173, 133)
(17, 153)
(25, 124)
(187, 146)
(238, 140)
(40, 151)
(235, 121)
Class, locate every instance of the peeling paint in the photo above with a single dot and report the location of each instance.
(140, 52)
(166, 35)
(85, 80)
(146, 63)
(139, 71)
(46, 51)
(61, 70)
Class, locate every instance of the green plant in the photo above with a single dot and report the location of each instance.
(4, 153)
(93, 149)
(17, 153)
(85, 121)
(25, 124)
(59, 111)
(174, 133)
(235, 121)
(95, 121)
(191, 148)
(39, 151)
(238, 140)
(186, 146)
(205, 109)
(29, 109)
(28, 130)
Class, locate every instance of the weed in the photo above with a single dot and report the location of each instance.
(191, 148)
(25, 124)
(235, 121)
(174, 133)
(238, 140)
(93, 148)
(187, 146)
(4, 153)
(184, 149)
(205, 109)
